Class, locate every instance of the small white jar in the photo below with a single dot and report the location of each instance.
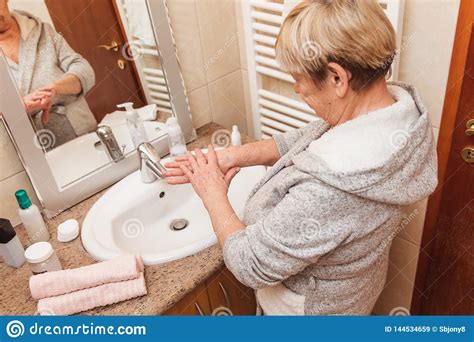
(41, 258)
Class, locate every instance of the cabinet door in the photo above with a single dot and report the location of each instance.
(228, 296)
(195, 303)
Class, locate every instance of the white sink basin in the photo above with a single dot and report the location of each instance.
(133, 217)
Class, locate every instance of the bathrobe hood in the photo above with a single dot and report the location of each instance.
(387, 155)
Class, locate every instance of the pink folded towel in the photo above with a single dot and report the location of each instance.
(90, 298)
(50, 284)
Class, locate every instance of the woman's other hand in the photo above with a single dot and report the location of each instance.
(206, 177)
(175, 174)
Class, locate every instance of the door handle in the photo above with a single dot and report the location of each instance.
(223, 310)
(470, 127)
(113, 46)
(467, 154)
(226, 296)
(198, 308)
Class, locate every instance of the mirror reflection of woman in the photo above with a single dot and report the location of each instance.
(50, 75)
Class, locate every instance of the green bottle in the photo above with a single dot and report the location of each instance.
(31, 218)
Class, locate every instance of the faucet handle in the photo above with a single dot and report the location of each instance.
(150, 166)
(146, 150)
(107, 138)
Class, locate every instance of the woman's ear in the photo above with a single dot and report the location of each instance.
(339, 78)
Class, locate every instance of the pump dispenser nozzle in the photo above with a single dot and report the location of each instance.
(134, 124)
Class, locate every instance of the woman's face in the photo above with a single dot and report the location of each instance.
(320, 98)
(5, 21)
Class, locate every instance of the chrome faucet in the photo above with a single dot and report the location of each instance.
(109, 142)
(150, 167)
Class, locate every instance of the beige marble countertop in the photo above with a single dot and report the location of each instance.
(166, 283)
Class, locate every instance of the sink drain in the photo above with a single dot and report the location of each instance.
(179, 224)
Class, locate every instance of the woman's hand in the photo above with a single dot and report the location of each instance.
(175, 174)
(49, 90)
(39, 100)
(206, 177)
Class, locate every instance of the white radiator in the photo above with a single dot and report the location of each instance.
(272, 112)
(147, 62)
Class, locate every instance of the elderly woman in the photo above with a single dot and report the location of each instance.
(317, 229)
(50, 75)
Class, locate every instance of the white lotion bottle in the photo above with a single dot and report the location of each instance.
(235, 137)
(134, 124)
(31, 218)
(175, 138)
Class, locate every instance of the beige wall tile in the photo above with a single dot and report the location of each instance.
(8, 187)
(200, 106)
(400, 278)
(220, 37)
(240, 30)
(412, 224)
(9, 162)
(428, 30)
(184, 22)
(227, 101)
(248, 105)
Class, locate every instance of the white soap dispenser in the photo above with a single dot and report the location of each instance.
(134, 124)
(235, 136)
(175, 138)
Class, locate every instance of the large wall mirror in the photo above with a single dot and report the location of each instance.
(71, 65)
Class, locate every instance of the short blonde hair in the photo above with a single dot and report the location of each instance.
(353, 33)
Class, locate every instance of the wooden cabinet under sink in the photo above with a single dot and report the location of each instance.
(220, 295)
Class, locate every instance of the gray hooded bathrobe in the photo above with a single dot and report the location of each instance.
(321, 222)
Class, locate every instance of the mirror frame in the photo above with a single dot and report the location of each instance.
(19, 127)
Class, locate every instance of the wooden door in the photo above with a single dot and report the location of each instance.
(445, 277)
(195, 303)
(228, 296)
(86, 25)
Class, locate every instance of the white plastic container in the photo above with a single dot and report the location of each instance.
(134, 124)
(68, 230)
(41, 258)
(175, 138)
(235, 137)
(31, 218)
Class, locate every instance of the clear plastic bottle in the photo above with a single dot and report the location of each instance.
(134, 124)
(235, 137)
(31, 218)
(176, 140)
